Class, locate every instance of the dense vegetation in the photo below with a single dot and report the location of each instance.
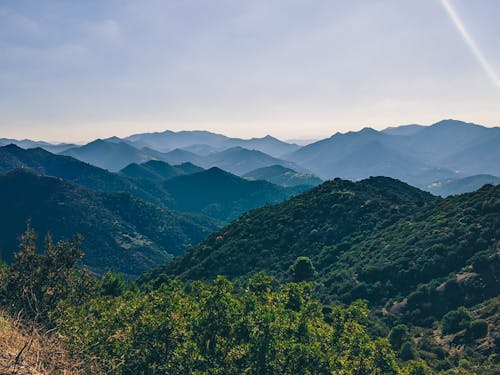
(121, 232)
(111, 326)
(271, 238)
(414, 257)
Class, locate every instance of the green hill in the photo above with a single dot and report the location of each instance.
(120, 232)
(222, 195)
(271, 238)
(183, 187)
(426, 262)
(377, 239)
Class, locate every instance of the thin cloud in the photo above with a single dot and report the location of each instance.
(474, 48)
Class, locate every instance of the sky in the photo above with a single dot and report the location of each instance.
(79, 70)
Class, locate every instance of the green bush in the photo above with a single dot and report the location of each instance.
(455, 320)
(477, 329)
(398, 335)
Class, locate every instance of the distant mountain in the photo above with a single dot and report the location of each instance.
(202, 150)
(282, 176)
(203, 142)
(403, 129)
(120, 232)
(446, 139)
(222, 195)
(179, 156)
(169, 140)
(239, 160)
(268, 145)
(81, 173)
(27, 143)
(158, 170)
(109, 155)
(461, 185)
(236, 160)
(481, 157)
(413, 153)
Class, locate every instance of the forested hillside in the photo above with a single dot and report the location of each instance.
(417, 259)
(120, 232)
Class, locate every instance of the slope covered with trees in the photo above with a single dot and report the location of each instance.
(424, 262)
(111, 326)
(271, 238)
(120, 232)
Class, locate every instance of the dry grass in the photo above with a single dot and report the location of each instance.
(25, 349)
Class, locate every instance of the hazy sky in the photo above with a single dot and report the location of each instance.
(77, 70)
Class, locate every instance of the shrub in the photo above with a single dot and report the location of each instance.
(477, 329)
(455, 320)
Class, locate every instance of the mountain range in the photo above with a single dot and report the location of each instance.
(219, 194)
(419, 155)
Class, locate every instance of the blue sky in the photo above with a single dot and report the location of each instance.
(77, 70)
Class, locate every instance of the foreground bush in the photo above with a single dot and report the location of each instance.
(199, 328)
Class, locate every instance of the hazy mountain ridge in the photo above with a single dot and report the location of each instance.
(461, 185)
(27, 143)
(169, 140)
(416, 154)
(442, 150)
(158, 170)
(109, 155)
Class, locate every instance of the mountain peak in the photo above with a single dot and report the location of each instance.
(452, 122)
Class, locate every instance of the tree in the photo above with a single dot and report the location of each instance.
(37, 282)
(398, 335)
(408, 351)
(303, 269)
(477, 329)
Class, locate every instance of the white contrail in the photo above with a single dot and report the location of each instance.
(471, 43)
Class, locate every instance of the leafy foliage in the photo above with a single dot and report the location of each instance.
(199, 328)
(35, 283)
